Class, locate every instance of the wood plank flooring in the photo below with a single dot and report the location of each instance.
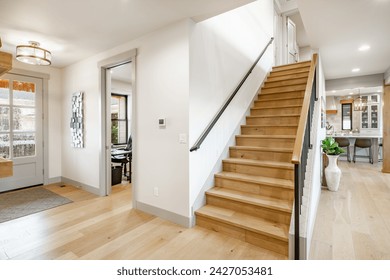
(354, 223)
(101, 228)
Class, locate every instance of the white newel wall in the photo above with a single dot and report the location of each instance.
(162, 90)
(312, 185)
(222, 49)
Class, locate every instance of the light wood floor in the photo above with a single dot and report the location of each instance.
(354, 223)
(108, 228)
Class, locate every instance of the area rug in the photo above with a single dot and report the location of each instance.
(16, 204)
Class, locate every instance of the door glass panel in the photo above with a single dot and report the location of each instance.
(4, 145)
(4, 119)
(23, 93)
(24, 119)
(23, 144)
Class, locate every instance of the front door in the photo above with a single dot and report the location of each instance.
(21, 139)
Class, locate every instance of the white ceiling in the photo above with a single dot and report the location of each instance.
(339, 27)
(76, 29)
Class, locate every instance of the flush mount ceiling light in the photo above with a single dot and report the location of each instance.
(355, 70)
(33, 54)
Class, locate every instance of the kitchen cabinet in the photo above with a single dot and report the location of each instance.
(370, 118)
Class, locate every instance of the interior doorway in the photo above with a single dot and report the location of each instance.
(117, 84)
(292, 46)
(120, 108)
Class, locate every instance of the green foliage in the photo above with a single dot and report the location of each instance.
(331, 147)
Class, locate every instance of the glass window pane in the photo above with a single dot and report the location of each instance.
(4, 92)
(114, 132)
(4, 145)
(23, 93)
(23, 145)
(118, 107)
(4, 118)
(118, 132)
(24, 119)
(122, 132)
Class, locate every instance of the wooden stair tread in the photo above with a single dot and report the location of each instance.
(265, 163)
(273, 116)
(268, 125)
(283, 90)
(253, 199)
(269, 181)
(291, 66)
(247, 222)
(267, 149)
(288, 77)
(267, 136)
(277, 107)
(279, 98)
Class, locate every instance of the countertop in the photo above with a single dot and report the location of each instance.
(356, 135)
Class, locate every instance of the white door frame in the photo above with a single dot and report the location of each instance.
(278, 35)
(105, 121)
(284, 38)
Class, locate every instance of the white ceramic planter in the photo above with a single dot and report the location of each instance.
(332, 173)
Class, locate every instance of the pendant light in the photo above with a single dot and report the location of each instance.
(360, 104)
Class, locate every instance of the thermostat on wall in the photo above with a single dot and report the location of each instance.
(161, 122)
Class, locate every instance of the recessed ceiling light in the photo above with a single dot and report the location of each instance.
(364, 48)
(351, 93)
(333, 91)
(355, 69)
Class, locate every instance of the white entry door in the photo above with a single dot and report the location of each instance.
(292, 46)
(21, 130)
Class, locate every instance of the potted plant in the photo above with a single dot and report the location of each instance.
(332, 172)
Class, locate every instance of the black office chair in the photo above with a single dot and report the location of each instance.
(344, 143)
(125, 159)
(363, 143)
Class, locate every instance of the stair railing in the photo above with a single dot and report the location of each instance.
(301, 149)
(210, 126)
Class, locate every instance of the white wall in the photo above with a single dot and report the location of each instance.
(316, 172)
(222, 50)
(54, 115)
(162, 90)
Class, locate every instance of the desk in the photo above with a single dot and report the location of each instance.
(123, 157)
(374, 141)
(119, 152)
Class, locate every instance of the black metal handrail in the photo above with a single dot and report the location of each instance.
(206, 132)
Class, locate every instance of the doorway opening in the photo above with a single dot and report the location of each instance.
(121, 111)
(117, 121)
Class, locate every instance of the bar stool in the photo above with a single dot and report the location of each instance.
(363, 143)
(344, 143)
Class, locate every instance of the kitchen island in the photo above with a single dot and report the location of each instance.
(352, 138)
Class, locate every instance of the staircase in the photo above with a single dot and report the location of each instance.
(253, 196)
